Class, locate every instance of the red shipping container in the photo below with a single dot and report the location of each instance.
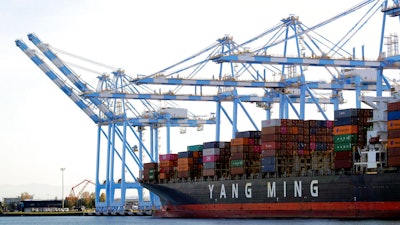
(184, 174)
(209, 172)
(168, 157)
(237, 170)
(271, 145)
(394, 133)
(167, 169)
(394, 161)
(239, 155)
(343, 163)
(343, 155)
(151, 165)
(393, 151)
(257, 148)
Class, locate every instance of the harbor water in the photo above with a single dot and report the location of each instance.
(148, 220)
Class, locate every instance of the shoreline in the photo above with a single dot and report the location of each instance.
(43, 214)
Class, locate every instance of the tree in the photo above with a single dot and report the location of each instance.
(25, 196)
(103, 197)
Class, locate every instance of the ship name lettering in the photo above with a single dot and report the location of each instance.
(247, 190)
(223, 192)
(297, 188)
(235, 190)
(271, 190)
(314, 188)
(211, 187)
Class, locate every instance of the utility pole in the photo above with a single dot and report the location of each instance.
(62, 187)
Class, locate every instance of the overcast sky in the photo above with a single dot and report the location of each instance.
(42, 130)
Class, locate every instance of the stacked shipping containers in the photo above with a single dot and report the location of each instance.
(150, 172)
(321, 145)
(216, 158)
(350, 133)
(289, 146)
(190, 162)
(393, 144)
(167, 166)
(245, 153)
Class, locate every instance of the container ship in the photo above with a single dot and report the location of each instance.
(342, 168)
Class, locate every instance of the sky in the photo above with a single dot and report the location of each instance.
(43, 131)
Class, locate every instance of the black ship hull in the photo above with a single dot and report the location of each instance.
(336, 196)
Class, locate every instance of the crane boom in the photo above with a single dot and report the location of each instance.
(68, 73)
(56, 79)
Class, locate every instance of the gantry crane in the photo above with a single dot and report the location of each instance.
(120, 126)
(227, 72)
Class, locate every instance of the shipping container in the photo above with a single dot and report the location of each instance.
(239, 141)
(394, 115)
(248, 134)
(186, 154)
(195, 147)
(394, 133)
(237, 163)
(211, 151)
(267, 161)
(393, 125)
(268, 169)
(216, 144)
(168, 157)
(168, 163)
(393, 151)
(393, 106)
(210, 172)
(393, 142)
(346, 113)
(210, 158)
(150, 165)
(347, 121)
(342, 130)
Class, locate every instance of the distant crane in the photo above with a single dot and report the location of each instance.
(85, 183)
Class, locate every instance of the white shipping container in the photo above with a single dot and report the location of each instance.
(271, 123)
(211, 151)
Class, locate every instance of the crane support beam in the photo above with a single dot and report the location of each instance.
(321, 62)
(224, 98)
(249, 84)
(207, 82)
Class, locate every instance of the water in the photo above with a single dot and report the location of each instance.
(148, 220)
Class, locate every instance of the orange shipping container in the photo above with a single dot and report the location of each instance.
(185, 161)
(393, 124)
(184, 168)
(393, 142)
(348, 129)
(239, 141)
(167, 163)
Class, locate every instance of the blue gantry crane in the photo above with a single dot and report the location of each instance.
(236, 78)
(121, 124)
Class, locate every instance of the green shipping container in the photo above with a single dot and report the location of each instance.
(344, 139)
(152, 171)
(237, 163)
(192, 148)
(344, 147)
